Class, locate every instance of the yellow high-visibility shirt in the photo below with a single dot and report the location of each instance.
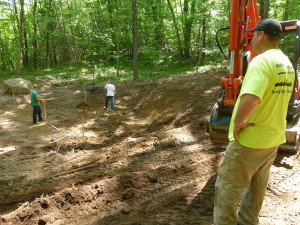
(270, 76)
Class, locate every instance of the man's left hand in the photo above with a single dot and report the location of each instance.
(237, 128)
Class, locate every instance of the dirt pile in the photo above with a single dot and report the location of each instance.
(149, 162)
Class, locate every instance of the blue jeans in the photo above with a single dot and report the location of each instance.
(112, 101)
(37, 112)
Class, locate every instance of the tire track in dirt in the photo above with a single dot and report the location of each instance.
(163, 189)
(108, 162)
(143, 164)
(283, 192)
(283, 179)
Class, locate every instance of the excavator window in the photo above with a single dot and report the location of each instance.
(287, 45)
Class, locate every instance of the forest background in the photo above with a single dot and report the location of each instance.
(90, 41)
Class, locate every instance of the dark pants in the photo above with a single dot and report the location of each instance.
(37, 112)
(112, 101)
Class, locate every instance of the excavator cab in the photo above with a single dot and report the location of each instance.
(244, 16)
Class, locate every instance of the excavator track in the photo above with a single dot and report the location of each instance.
(285, 173)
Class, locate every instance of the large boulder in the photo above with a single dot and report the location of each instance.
(17, 85)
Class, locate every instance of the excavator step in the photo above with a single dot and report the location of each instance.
(292, 142)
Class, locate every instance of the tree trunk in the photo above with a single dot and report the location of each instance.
(158, 23)
(26, 57)
(75, 51)
(188, 18)
(286, 13)
(135, 42)
(203, 40)
(15, 15)
(264, 8)
(20, 37)
(110, 12)
(54, 56)
(111, 23)
(6, 57)
(118, 32)
(3, 56)
(176, 29)
(34, 42)
(49, 30)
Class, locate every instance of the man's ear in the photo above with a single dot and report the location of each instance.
(261, 35)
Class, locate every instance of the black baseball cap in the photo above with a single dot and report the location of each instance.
(269, 26)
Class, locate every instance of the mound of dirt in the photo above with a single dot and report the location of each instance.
(148, 162)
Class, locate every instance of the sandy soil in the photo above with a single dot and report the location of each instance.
(149, 162)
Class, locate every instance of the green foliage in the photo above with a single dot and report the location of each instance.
(99, 32)
(287, 45)
(84, 73)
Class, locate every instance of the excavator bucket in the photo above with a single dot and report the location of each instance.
(218, 125)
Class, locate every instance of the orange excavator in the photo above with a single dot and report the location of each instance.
(244, 16)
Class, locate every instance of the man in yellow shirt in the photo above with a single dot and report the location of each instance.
(256, 130)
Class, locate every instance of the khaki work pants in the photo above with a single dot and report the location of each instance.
(244, 173)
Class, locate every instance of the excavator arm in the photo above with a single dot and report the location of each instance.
(244, 16)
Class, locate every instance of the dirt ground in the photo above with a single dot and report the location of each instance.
(147, 163)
